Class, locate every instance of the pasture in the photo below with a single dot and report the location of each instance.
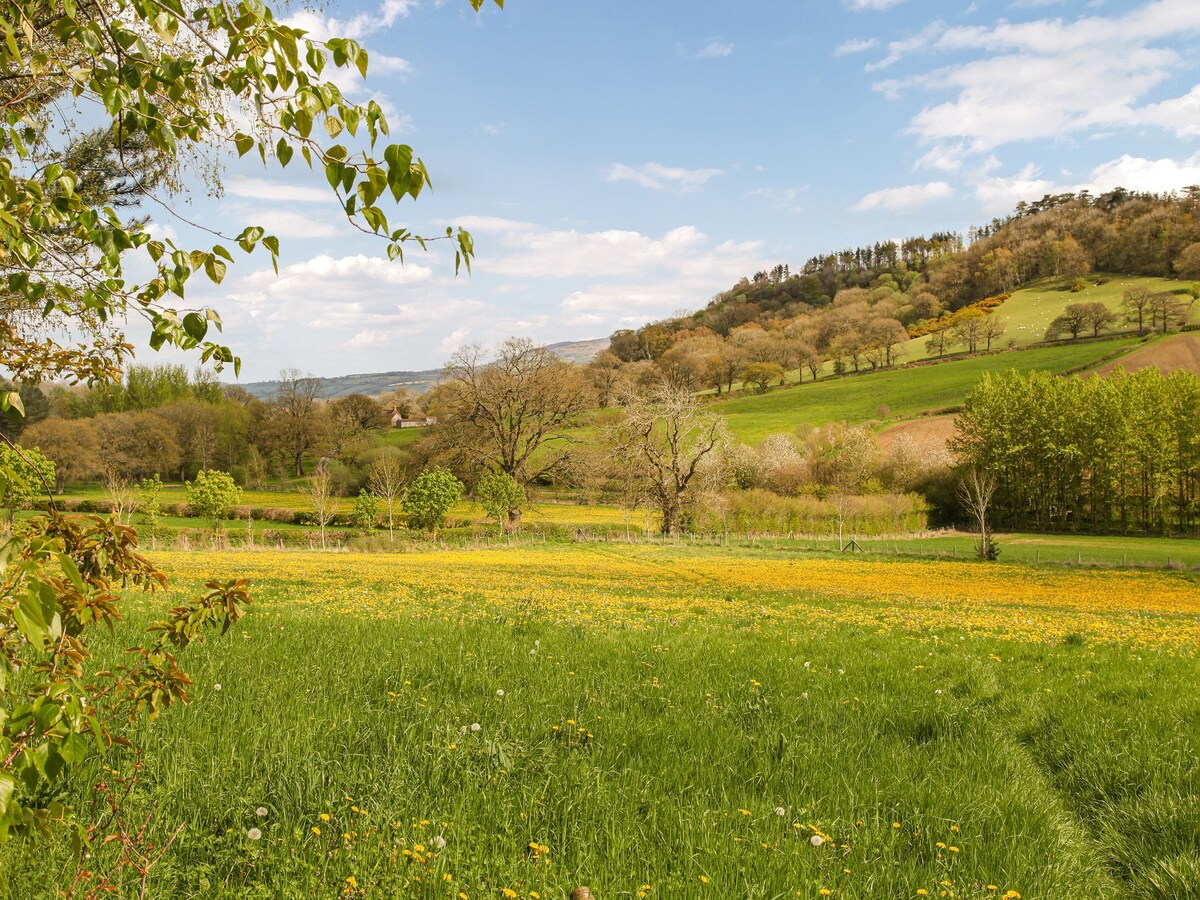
(671, 721)
(898, 393)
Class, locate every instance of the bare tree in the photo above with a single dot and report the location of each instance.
(975, 492)
(122, 495)
(662, 443)
(324, 502)
(386, 476)
(991, 329)
(1137, 306)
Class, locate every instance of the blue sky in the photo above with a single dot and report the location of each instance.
(620, 161)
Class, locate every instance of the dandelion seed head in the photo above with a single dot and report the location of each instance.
(254, 834)
(816, 840)
(261, 812)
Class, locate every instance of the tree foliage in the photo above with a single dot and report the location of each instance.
(1120, 453)
(430, 497)
(169, 80)
(501, 497)
(213, 494)
(510, 412)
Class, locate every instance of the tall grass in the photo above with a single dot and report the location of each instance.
(729, 754)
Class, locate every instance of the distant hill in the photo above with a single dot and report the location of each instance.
(379, 382)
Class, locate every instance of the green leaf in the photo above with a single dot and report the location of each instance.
(243, 143)
(8, 786)
(195, 325)
(11, 403)
(75, 748)
(214, 269)
(30, 622)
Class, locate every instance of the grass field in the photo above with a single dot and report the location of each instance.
(676, 723)
(904, 392)
(1028, 311)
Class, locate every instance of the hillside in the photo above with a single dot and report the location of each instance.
(903, 392)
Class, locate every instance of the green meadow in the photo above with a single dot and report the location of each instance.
(371, 731)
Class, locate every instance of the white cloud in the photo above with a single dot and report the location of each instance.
(999, 194)
(1158, 176)
(872, 4)
(1181, 115)
(1050, 78)
(715, 50)
(453, 340)
(344, 278)
(684, 253)
(659, 177)
(322, 27)
(902, 198)
(264, 189)
(897, 50)
(288, 224)
(858, 45)
(944, 157)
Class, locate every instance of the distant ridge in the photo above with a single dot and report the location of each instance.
(419, 381)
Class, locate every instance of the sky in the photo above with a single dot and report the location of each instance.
(620, 161)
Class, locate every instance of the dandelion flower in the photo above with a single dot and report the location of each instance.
(816, 840)
(261, 812)
(254, 834)
(780, 811)
(216, 687)
(500, 693)
(475, 726)
(437, 842)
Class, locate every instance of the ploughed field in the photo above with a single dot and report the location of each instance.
(673, 722)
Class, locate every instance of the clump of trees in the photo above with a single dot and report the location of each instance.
(1120, 453)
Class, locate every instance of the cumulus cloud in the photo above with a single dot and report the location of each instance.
(715, 50)
(906, 197)
(659, 177)
(998, 193)
(683, 252)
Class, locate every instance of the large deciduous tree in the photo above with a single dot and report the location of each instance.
(511, 411)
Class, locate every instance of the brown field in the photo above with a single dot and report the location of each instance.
(928, 431)
(1178, 353)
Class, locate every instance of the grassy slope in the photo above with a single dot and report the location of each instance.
(653, 749)
(1030, 310)
(906, 392)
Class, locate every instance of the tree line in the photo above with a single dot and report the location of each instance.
(1120, 453)
(920, 279)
